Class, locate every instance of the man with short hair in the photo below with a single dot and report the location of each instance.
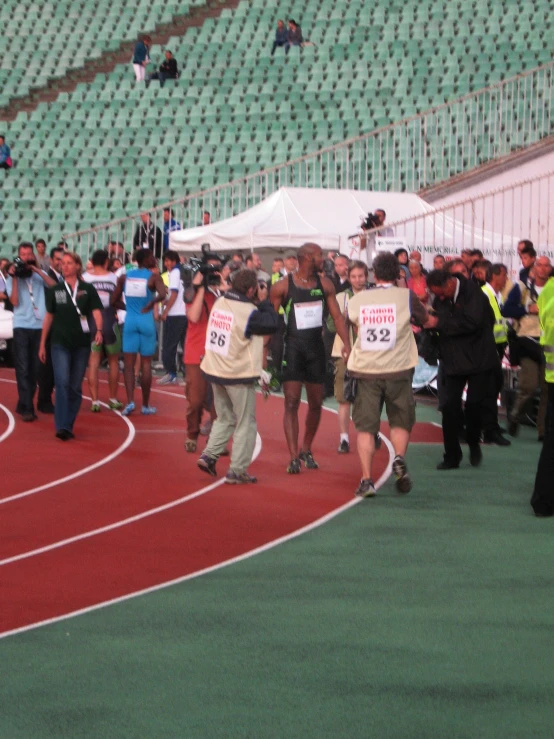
(439, 261)
(170, 224)
(384, 231)
(143, 288)
(206, 218)
(55, 267)
(340, 278)
(291, 262)
(457, 267)
(522, 306)
(382, 362)
(528, 256)
(480, 270)
(43, 259)
(105, 283)
(281, 36)
(259, 268)
(233, 363)
(148, 236)
(27, 295)
(464, 320)
(174, 318)
(303, 295)
(277, 269)
(167, 71)
(497, 275)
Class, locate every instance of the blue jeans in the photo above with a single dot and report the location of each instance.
(69, 370)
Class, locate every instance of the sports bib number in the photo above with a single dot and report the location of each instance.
(135, 288)
(308, 315)
(218, 337)
(377, 327)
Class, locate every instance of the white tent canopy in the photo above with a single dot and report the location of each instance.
(292, 216)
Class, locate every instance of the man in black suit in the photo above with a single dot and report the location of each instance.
(46, 371)
(55, 269)
(148, 236)
(464, 320)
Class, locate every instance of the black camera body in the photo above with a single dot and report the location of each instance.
(371, 221)
(22, 270)
(329, 268)
(209, 271)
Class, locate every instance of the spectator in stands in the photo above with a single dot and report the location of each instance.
(27, 295)
(295, 37)
(5, 154)
(480, 270)
(416, 255)
(169, 225)
(281, 36)
(174, 317)
(167, 71)
(148, 236)
(528, 256)
(439, 261)
(43, 260)
(465, 324)
(521, 305)
(141, 57)
(206, 218)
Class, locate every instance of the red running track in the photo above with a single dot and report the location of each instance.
(202, 532)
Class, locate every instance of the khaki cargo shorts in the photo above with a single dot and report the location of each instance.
(398, 398)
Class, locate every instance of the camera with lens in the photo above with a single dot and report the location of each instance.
(370, 222)
(22, 269)
(209, 271)
(329, 268)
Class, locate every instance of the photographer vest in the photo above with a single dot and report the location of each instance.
(385, 343)
(546, 312)
(500, 329)
(230, 357)
(528, 325)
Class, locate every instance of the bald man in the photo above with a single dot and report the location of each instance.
(303, 295)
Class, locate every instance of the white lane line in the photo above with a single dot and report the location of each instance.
(11, 423)
(124, 521)
(207, 570)
(85, 470)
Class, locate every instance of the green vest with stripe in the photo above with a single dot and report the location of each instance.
(275, 277)
(500, 324)
(545, 304)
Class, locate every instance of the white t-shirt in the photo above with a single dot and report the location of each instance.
(176, 284)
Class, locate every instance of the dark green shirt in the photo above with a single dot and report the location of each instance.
(66, 328)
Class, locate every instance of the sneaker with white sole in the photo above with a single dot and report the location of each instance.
(167, 380)
(366, 489)
(148, 410)
(129, 408)
(207, 464)
(115, 405)
(95, 407)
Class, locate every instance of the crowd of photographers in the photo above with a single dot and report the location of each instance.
(214, 309)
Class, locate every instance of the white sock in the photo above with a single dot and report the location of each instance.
(344, 437)
(113, 400)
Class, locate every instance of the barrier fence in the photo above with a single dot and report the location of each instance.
(493, 222)
(410, 155)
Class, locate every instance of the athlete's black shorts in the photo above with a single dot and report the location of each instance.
(304, 361)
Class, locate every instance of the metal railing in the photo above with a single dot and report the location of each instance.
(410, 155)
(493, 222)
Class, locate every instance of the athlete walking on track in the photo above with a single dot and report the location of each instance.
(303, 295)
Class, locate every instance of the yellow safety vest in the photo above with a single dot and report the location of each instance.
(546, 315)
(275, 277)
(500, 329)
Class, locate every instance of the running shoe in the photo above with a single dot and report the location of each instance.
(115, 405)
(308, 459)
(344, 447)
(167, 380)
(207, 464)
(378, 442)
(190, 445)
(366, 489)
(294, 467)
(129, 408)
(148, 410)
(239, 478)
(206, 428)
(95, 408)
(400, 470)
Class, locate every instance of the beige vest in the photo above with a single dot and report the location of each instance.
(229, 354)
(385, 341)
(342, 299)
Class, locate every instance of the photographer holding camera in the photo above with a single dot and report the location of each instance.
(200, 296)
(233, 362)
(25, 287)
